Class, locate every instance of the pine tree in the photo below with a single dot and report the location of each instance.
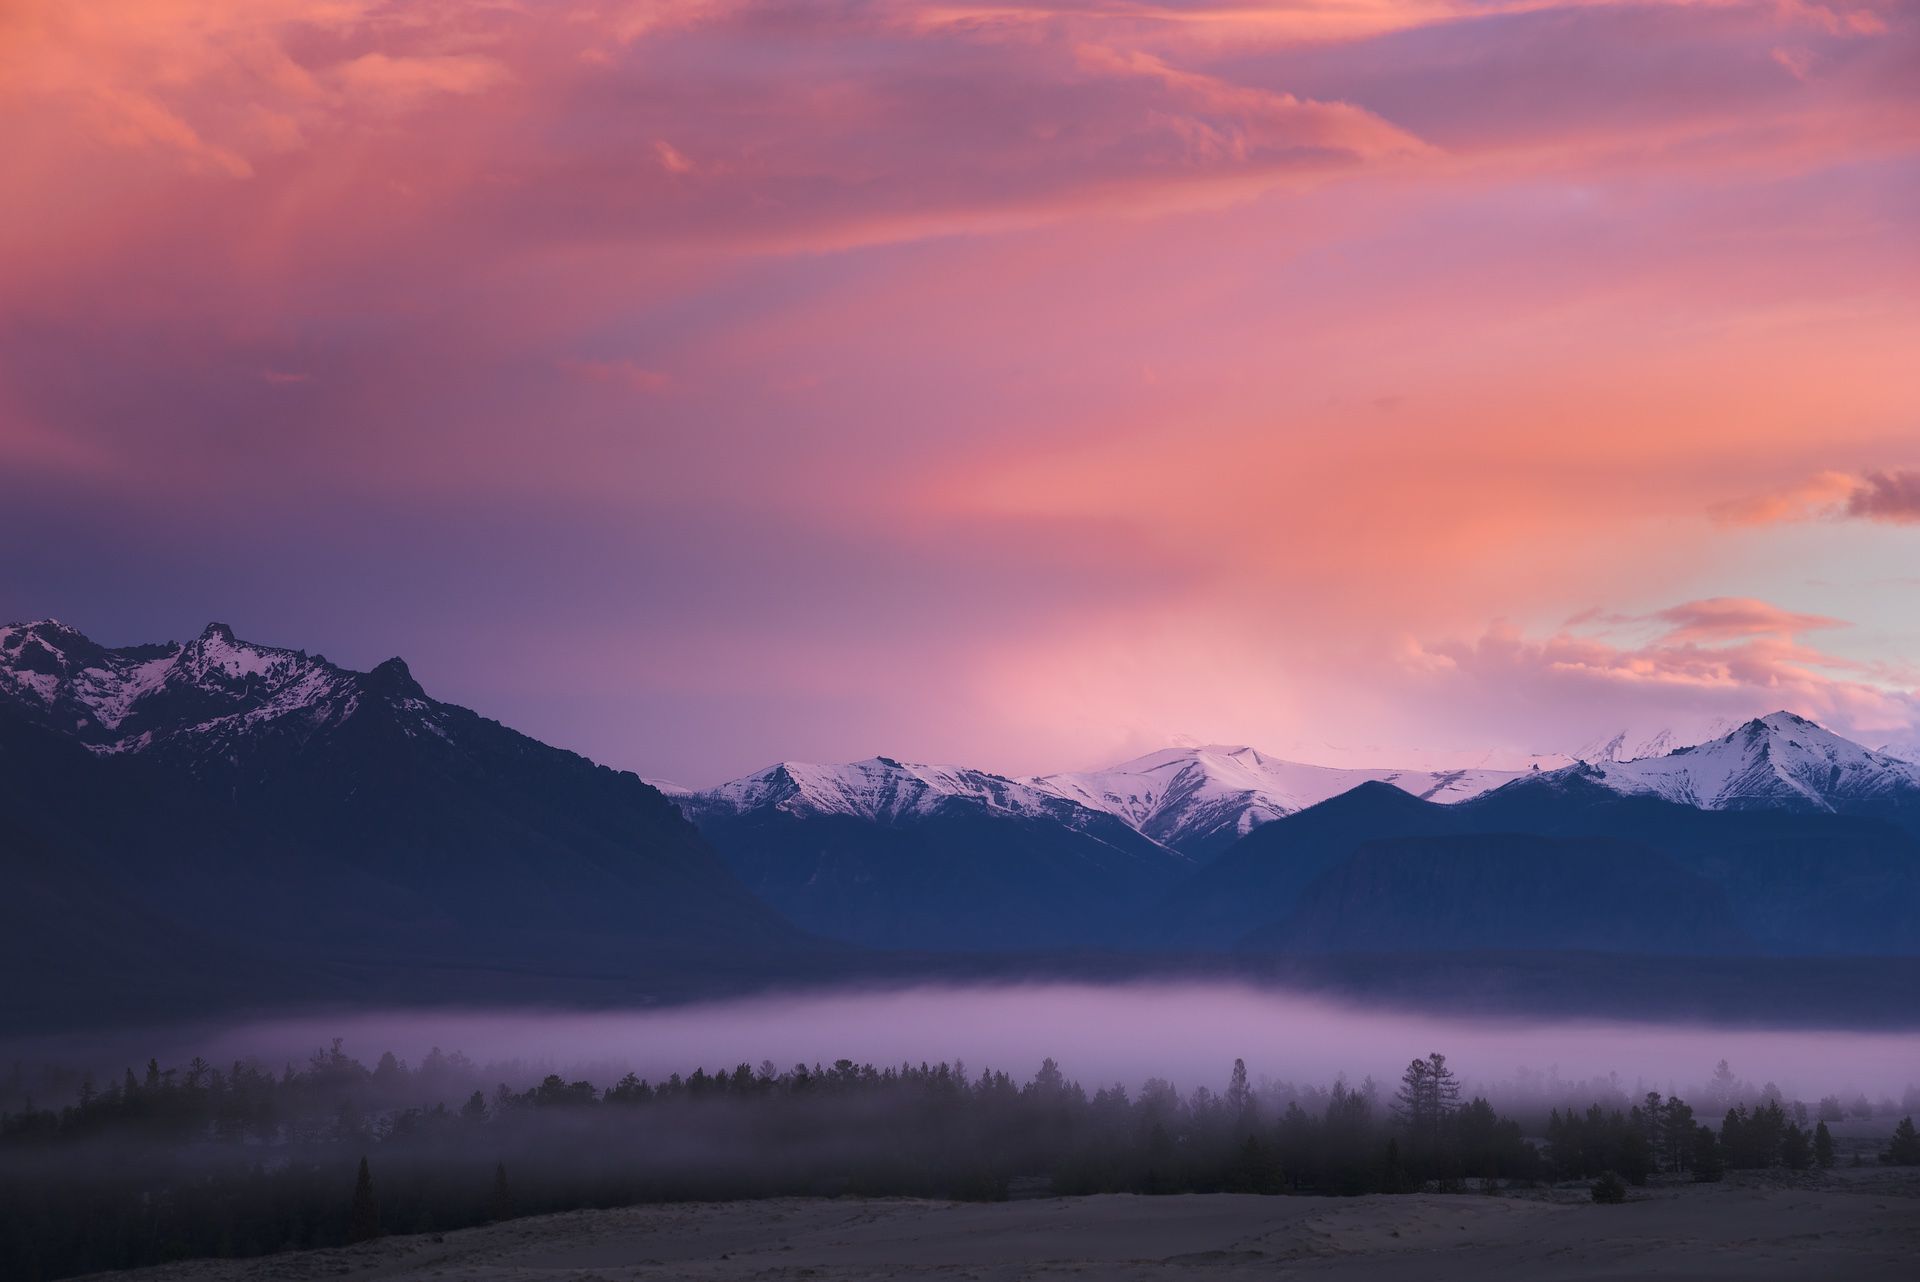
(500, 1201)
(1412, 1102)
(1240, 1098)
(1446, 1087)
(1905, 1148)
(1676, 1130)
(1720, 1093)
(363, 1219)
(1796, 1154)
(1428, 1093)
(1708, 1165)
(1823, 1147)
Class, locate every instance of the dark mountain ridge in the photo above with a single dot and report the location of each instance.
(325, 830)
(1793, 882)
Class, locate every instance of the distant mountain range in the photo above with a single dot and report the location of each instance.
(214, 821)
(894, 855)
(1678, 879)
(1259, 853)
(1201, 800)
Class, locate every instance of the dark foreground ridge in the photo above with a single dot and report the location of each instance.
(1840, 1226)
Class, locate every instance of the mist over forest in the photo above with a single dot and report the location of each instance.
(1182, 1031)
(237, 1152)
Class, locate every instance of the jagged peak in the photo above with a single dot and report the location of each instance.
(51, 633)
(1784, 720)
(35, 626)
(1780, 759)
(879, 787)
(394, 679)
(131, 698)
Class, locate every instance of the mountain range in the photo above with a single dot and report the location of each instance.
(1201, 800)
(211, 821)
(894, 855)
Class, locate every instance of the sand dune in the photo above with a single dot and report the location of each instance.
(1849, 1224)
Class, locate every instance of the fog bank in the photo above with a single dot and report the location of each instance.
(1187, 1032)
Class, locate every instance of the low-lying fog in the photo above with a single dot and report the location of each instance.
(1189, 1033)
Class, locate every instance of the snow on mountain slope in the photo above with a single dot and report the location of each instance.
(1777, 761)
(192, 697)
(1907, 750)
(1201, 799)
(883, 790)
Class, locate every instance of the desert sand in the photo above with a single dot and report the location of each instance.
(1861, 1224)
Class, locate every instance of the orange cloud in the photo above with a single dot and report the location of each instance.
(400, 81)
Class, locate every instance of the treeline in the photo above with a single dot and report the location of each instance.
(198, 1161)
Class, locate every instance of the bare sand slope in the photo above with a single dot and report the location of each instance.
(1855, 1225)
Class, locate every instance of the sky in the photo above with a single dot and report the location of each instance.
(698, 384)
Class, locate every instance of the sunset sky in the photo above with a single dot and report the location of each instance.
(696, 384)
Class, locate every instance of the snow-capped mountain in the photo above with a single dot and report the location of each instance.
(1193, 800)
(1624, 747)
(883, 790)
(1907, 750)
(1200, 800)
(1777, 762)
(895, 854)
(212, 688)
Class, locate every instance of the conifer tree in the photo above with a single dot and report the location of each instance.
(500, 1200)
(1823, 1147)
(1905, 1148)
(1240, 1097)
(363, 1219)
(1708, 1165)
(1676, 1131)
(1796, 1154)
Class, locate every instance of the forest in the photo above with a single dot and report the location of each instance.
(201, 1161)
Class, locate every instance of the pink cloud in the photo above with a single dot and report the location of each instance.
(1732, 618)
(1743, 662)
(671, 158)
(1891, 496)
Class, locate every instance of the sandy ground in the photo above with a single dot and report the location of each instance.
(1846, 1225)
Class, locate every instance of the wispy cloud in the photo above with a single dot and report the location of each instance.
(1732, 618)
